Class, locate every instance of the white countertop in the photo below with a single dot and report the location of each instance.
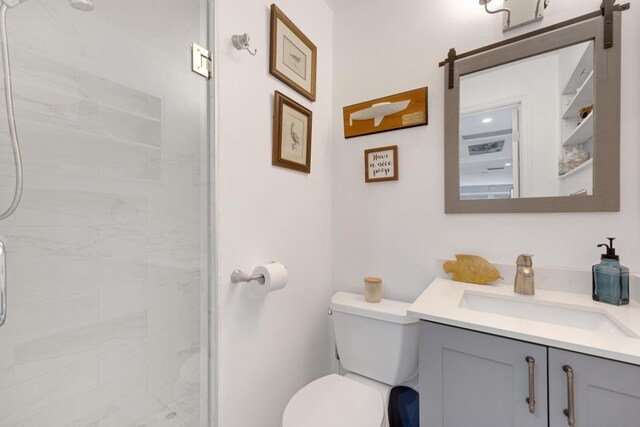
(441, 302)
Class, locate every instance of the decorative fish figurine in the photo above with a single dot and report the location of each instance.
(472, 269)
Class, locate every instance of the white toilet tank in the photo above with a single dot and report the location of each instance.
(376, 340)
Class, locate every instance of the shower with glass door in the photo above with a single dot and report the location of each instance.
(104, 214)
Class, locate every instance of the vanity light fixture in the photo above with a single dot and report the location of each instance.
(487, 120)
(518, 13)
(504, 9)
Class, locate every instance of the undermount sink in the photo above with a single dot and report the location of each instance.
(539, 311)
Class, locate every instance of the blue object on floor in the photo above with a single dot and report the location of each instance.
(404, 410)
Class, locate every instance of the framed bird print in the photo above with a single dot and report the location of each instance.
(291, 134)
(292, 55)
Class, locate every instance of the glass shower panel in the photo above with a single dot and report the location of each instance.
(107, 253)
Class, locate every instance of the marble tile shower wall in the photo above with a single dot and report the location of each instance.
(104, 254)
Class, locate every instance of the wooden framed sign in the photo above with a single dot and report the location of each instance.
(381, 164)
(403, 110)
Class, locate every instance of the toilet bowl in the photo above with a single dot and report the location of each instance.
(378, 345)
(335, 401)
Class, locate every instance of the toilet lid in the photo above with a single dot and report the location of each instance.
(335, 401)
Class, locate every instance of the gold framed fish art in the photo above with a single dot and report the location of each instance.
(403, 110)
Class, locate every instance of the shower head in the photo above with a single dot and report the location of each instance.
(82, 5)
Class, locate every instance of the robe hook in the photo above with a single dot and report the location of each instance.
(241, 42)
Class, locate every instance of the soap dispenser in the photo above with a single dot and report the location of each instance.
(610, 279)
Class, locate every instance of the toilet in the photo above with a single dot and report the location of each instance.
(378, 345)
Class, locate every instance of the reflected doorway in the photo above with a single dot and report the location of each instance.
(489, 153)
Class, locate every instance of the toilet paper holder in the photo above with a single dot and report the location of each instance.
(239, 277)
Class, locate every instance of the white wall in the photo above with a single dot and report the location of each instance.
(269, 348)
(397, 229)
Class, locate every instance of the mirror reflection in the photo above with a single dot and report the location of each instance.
(526, 128)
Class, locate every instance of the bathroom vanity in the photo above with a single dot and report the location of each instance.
(489, 357)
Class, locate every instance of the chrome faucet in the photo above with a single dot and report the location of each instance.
(524, 276)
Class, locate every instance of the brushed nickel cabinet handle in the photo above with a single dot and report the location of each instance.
(570, 412)
(531, 400)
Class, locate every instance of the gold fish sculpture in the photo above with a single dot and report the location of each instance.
(472, 269)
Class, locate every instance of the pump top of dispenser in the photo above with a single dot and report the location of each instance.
(611, 252)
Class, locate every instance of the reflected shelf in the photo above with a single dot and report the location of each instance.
(577, 169)
(582, 133)
(584, 66)
(582, 98)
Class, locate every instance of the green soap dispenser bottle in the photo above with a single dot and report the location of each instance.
(610, 279)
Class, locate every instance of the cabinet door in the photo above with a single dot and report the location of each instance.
(605, 393)
(471, 379)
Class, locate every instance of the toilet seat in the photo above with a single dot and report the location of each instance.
(335, 401)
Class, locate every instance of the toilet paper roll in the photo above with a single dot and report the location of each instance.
(275, 277)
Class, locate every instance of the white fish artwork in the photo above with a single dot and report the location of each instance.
(378, 112)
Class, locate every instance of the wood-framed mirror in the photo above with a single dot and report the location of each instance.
(532, 124)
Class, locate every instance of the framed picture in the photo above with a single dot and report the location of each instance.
(403, 110)
(291, 134)
(381, 164)
(292, 55)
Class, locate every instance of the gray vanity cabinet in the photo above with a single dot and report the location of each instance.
(473, 379)
(605, 393)
(470, 379)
